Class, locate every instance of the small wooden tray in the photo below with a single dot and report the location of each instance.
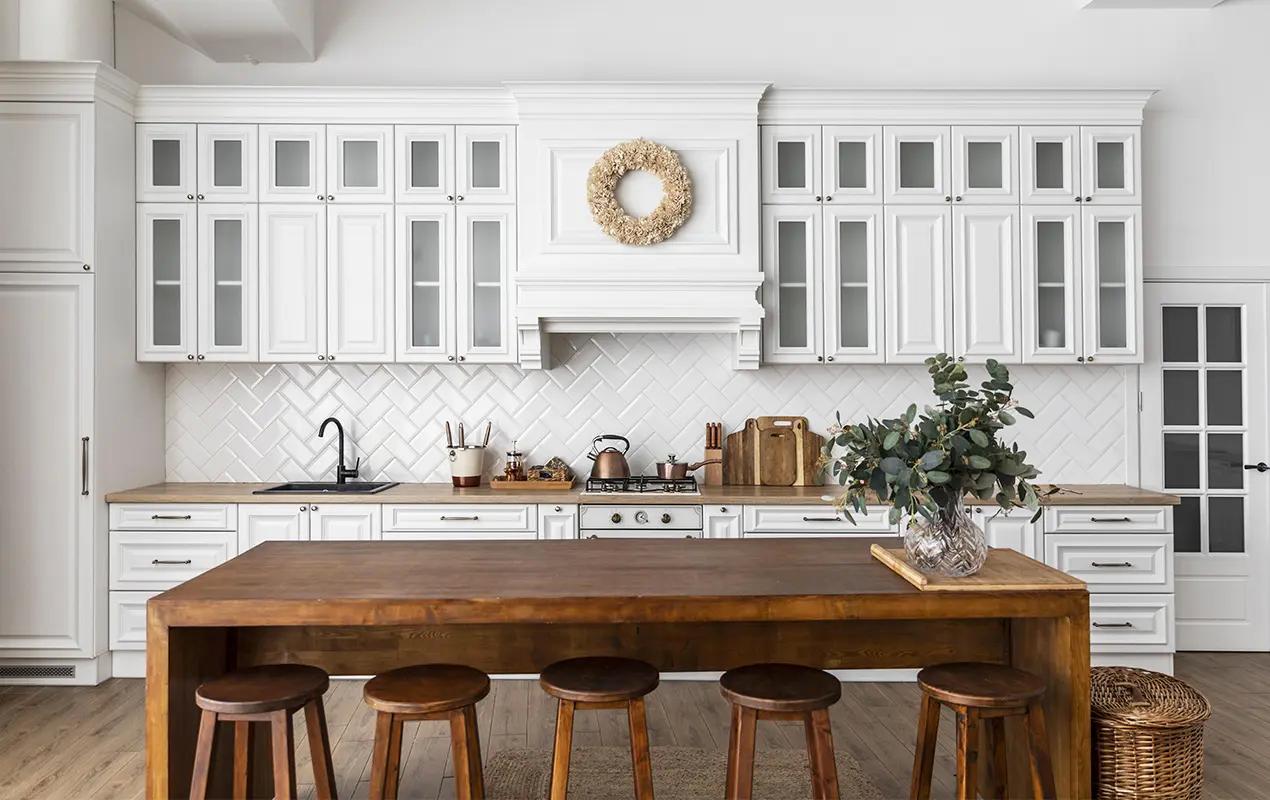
(531, 486)
(1005, 570)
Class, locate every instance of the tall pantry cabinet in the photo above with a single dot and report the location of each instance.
(84, 418)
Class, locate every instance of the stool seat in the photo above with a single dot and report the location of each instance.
(259, 690)
(426, 689)
(980, 685)
(599, 679)
(782, 688)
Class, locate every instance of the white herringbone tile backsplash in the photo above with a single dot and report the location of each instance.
(258, 422)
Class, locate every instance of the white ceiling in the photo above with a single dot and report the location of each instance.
(226, 31)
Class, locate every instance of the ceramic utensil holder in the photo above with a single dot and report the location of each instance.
(467, 464)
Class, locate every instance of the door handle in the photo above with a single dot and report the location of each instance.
(1260, 466)
(1113, 624)
(83, 466)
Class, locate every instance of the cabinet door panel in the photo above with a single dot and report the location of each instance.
(486, 163)
(292, 163)
(340, 522)
(227, 248)
(227, 163)
(791, 284)
(271, 522)
(916, 164)
(916, 283)
(1049, 164)
(1110, 164)
(425, 163)
(166, 252)
(1112, 280)
(852, 294)
(852, 161)
(165, 163)
(486, 245)
(359, 163)
(359, 283)
(791, 163)
(985, 164)
(722, 522)
(1053, 331)
(986, 283)
(425, 283)
(292, 282)
(558, 521)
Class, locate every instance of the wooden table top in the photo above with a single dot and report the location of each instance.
(599, 580)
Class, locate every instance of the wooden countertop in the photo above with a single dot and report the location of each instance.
(1073, 494)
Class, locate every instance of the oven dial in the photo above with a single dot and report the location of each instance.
(665, 519)
(641, 517)
(616, 518)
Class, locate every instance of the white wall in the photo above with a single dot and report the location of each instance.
(1206, 158)
(57, 30)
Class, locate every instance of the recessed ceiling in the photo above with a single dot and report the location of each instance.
(256, 31)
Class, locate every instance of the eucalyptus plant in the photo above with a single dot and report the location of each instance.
(928, 463)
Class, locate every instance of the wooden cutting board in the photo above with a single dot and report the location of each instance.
(1005, 570)
(772, 451)
(738, 456)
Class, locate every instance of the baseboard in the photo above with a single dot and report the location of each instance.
(77, 671)
(1156, 662)
(129, 663)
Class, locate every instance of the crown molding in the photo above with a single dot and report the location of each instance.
(67, 82)
(809, 106)
(599, 100)
(327, 104)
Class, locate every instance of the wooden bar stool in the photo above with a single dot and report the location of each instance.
(989, 692)
(600, 682)
(781, 691)
(270, 693)
(427, 692)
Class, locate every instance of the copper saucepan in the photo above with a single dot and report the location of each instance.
(671, 469)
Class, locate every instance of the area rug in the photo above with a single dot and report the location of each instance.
(679, 773)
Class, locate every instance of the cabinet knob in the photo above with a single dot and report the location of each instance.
(321, 358)
(190, 357)
(313, 508)
(189, 197)
(1078, 198)
(304, 508)
(723, 509)
(462, 358)
(460, 198)
(449, 197)
(1081, 359)
(201, 356)
(820, 358)
(958, 198)
(87, 268)
(830, 358)
(947, 198)
(320, 197)
(200, 197)
(330, 197)
(449, 358)
(818, 198)
(1089, 360)
(1089, 199)
(828, 198)
(558, 508)
(330, 358)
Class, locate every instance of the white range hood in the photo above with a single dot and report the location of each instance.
(572, 278)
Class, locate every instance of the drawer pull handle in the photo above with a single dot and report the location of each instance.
(1113, 624)
(1110, 519)
(1111, 563)
(158, 561)
(821, 519)
(472, 518)
(169, 516)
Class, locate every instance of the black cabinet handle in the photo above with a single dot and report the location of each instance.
(1113, 624)
(169, 516)
(1110, 519)
(158, 561)
(1111, 564)
(83, 467)
(821, 519)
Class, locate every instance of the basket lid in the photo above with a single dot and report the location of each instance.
(1144, 698)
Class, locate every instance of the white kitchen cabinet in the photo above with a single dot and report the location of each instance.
(485, 251)
(359, 163)
(558, 521)
(851, 293)
(1110, 164)
(425, 163)
(985, 164)
(426, 292)
(166, 163)
(839, 164)
(985, 283)
(292, 163)
(128, 621)
(227, 164)
(791, 283)
(1053, 324)
(1049, 160)
(359, 284)
(917, 163)
(918, 313)
(460, 518)
(791, 160)
(815, 520)
(145, 560)
(166, 295)
(271, 522)
(1013, 529)
(292, 282)
(1112, 283)
(226, 270)
(485, 165)
(344, 522)
(852, 164)
(722, 522)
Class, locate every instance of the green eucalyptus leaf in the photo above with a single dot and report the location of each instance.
(978, 437)
(1005, 417)
(891, 465)
(979, 462)
(935, 476)
(892, 439)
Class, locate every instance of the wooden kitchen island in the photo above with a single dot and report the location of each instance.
(356, 608)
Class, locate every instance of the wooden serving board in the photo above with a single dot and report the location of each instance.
(531, 486)
(785, 452)
(738, 456)
(1005, 570)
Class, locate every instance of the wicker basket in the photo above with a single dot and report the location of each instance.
(1148, 735)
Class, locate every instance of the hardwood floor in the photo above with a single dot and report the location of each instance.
(86, 742)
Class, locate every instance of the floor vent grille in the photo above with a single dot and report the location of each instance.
(37, 671)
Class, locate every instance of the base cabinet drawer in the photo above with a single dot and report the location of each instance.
(459, 536)
(157, 561)
(1131, 623)
(458, 518)
(172, 517)
(1108, 519)
(1133, 563)
(128, 620)
(815, 520)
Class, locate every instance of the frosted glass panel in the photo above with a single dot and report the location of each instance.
(487, 251)
(166, 249)
(1186, 526)
(1051, 251)
(917, 165)
(1225, 524)
(853, 251)
(1225, 397)
(791, 165)
(853, 165)
(1225, 461)
(1111, 252)
(229, 316)
(486, 313)
(425, 250)
(1224, 340)
(793, 317)
(1050, 172)
(361, 164)
(1181, 334)
(1051, 317)
(165, 162)
(227, 162)
(791, 252)
(486, 171)
(983, 165)
(291, 163)
(1181, 461)
(425, 164)
(1113, 329)
(1110, 165)
(1181, 397)
(227, 249)
(853, 316)
(425, 316)
(167, 314)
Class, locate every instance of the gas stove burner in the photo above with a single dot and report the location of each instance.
(642, 484)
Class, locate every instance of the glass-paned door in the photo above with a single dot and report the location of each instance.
(227, 163)
(165, 281)
(1204, 438)
(852, 294)
(1050, 251)
(791, 290)
(1110, 164)
(165, 163)
(359, 163)
(425, 163)
(985, 164)
(852, 161)
(916, 166)
(292, 163)
(791, 163)
(227, 249)
(485, 247)
(1048, 158)
(425, 283)
(1112, 264)
(486, 163)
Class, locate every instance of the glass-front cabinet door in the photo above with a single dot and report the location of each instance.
(915, 279)
(359, 163)
(227, 163)
(425, 284)
(1112, 263)
(1052, 325)
(986, 290)
(852, 164)
(292, 163)
(165, 282)
(486, 244)
(165, 163)
(425, 163)
(916, 164)
(227, 322)
(791, 291)
(1110, 163)
(852, 291)
(791, 163)
(486, 163)
(1048, 160)
(984, 164)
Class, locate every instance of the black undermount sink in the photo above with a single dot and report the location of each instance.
(328, 487)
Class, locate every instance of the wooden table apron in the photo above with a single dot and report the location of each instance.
(356, 608)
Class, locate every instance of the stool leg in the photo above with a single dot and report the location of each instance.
(562, 747)
(283, 755)
(741, 753)
(379, 756)
(466, 745)
(1038, 752)
(203, 755)
(392, 775)
(320, 750)
(924, 757)
(998, 767)
(242, 758)
(824, 769)
(641, 758)
(967, 753)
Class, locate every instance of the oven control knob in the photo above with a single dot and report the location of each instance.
(616, 519)
(665, 519)
(641, 517)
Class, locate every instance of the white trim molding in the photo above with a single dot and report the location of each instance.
(618, 100)
(67, 82)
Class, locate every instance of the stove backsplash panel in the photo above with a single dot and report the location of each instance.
(258, 422)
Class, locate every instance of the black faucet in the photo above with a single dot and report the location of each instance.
(342, 474)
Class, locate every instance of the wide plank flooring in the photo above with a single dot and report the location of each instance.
(87, 742)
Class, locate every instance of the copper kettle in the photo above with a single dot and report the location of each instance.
(609, 462)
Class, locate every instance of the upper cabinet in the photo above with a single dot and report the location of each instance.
(425, 163)
(917, 164)
(1112, 279)
(166, 305)
(227, 164)
(165, 163)
(1049, 164)
(791, 164)
(838, 164)
(292, 163)
(985, 164)
(1110, 163)
(179, 163)
(359, 163)
(456, 164)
